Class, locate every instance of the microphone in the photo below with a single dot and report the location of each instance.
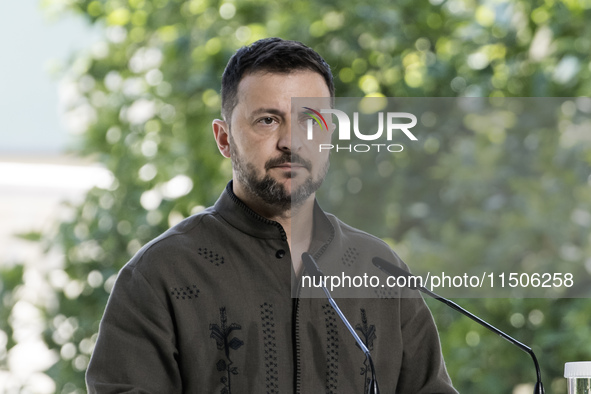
(395, 271)
(312, 268)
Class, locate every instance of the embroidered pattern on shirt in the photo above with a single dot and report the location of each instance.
(368, 334)
(332, 349)
(213, 257)
(190, 292)
(386, 292)
(349, 257)
(270, 348)
(221, 334)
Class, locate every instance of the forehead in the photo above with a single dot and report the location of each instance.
(276, 89)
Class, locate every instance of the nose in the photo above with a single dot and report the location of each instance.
(288, 141)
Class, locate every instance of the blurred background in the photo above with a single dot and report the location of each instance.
(105, 142)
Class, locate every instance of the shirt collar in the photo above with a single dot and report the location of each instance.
(240, 216)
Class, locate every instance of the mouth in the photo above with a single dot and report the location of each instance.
(289, 162)
(290, 166)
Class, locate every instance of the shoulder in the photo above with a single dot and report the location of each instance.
(174, 245)
(353, 249)
(349, 235)
(350, 254)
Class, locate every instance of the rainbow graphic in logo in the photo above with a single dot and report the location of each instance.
(317, 116)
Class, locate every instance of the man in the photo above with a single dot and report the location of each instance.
(207, 306)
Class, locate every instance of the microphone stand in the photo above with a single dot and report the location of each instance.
(313, 269)
(395, 271)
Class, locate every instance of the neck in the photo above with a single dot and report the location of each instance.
(296, 222)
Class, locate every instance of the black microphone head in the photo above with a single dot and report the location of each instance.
(311, 266)
(393, 270)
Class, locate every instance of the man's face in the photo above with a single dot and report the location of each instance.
(271, 157)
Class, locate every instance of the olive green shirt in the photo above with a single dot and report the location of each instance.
(207, 307)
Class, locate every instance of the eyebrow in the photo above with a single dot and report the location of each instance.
(273, 111)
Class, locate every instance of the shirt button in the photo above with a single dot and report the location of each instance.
(280, 253)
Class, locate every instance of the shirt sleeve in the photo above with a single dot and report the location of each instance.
(423, 368)
(135, 350)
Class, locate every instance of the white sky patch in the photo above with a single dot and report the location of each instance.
(53, 176)
(568, 67)
(177, 187)
(141, 111)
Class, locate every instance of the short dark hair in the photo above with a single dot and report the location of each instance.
(273, 55)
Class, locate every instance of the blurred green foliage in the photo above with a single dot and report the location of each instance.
(143, 100)
(492, 185)
(478, 193)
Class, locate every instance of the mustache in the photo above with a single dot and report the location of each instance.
(288, 158)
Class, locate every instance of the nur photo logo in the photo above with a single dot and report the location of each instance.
(392, 124)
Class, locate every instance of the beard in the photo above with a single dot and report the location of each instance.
(269, 189)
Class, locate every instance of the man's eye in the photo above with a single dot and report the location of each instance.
(303, 120)
(267, 121)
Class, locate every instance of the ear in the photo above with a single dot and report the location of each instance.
(221, 133)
